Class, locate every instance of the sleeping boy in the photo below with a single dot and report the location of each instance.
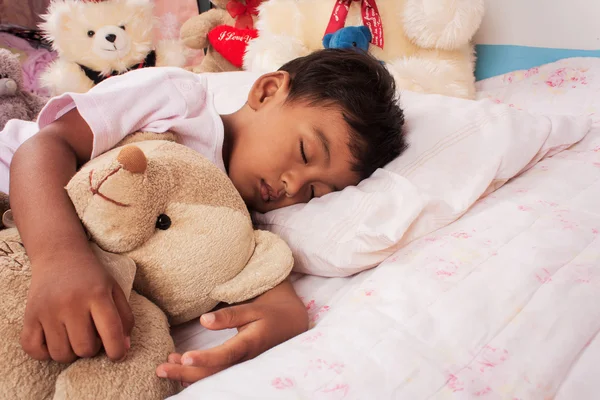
(317, 125)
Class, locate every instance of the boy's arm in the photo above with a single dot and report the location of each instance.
(272, 318)
(72, 300)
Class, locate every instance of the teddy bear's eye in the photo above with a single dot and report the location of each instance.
(122, 27)
(91, 33)
(353, 44)
(163, 222)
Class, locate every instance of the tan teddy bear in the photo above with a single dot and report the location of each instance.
(224, 32)
(160, 212)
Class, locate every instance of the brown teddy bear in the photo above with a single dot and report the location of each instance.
(15, 101)
(167, 221)
(224, 32)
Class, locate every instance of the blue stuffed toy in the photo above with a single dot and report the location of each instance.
(348, 37)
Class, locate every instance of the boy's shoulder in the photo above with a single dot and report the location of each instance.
(164, 82)
(158, 76)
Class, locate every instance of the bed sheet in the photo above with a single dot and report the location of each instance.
(502, 304)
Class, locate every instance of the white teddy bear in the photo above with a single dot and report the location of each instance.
(424, 43)
(98, 39)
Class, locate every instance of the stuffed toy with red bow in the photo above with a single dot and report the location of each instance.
(425, 44)
(97, 39)
(224, 32)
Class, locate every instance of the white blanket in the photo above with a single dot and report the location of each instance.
(502, 304)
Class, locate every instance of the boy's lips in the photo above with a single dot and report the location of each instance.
(266, 192)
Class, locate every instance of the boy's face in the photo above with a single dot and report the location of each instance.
(283, 154)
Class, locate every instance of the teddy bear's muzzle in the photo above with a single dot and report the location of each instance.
(132, 159)
(8, 87)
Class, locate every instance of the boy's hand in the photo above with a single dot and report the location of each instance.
(269, 320)
(74, 307)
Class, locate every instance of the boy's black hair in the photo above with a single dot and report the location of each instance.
(366, 93)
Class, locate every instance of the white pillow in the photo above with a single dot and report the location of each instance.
(230, 89)
(459, 150)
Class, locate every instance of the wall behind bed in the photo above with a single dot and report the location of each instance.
(520, 34)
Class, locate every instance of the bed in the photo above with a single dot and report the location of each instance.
(502, 303)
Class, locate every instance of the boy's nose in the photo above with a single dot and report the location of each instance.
(132, 159)
(292, 185)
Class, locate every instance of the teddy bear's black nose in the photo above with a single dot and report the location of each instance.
(111, 37)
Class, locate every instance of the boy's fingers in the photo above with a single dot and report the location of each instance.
(58, 343)
(124, 309)
(230, 317)
(174, 358)
(110, 328)
(183, 373)
(229, 353)
(83, 337)
(33, 341)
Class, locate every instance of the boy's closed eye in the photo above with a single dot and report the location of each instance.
(305, 160)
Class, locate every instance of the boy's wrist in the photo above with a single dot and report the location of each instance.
(60, 249)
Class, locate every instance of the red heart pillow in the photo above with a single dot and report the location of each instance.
(231, 42)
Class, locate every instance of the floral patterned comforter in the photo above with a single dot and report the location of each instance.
(502, 304)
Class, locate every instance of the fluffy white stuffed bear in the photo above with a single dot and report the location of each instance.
(98, 39)
(424, 43)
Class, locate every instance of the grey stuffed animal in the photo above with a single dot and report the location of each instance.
(15, 101)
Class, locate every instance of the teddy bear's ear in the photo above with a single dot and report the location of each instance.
(366, 31)
(270, 264)
(56, 21)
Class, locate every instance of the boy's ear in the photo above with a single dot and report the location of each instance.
(268, 87)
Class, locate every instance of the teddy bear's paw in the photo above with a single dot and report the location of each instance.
(443, 77)
(267, 53)
(12, 252)
(442, 24)
(171, 53)
(15, 275)
(135, 376)
(63, 76)
(12, 108)
(21, 377)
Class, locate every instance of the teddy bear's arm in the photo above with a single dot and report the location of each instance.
(270, 264)
(194, 32)
(432, 75)
(171, 53)
(268, 52)
(34, 103)
(12, 110)
(135, 376)
(64, 76)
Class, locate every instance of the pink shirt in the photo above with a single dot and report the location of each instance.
(149, 99)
